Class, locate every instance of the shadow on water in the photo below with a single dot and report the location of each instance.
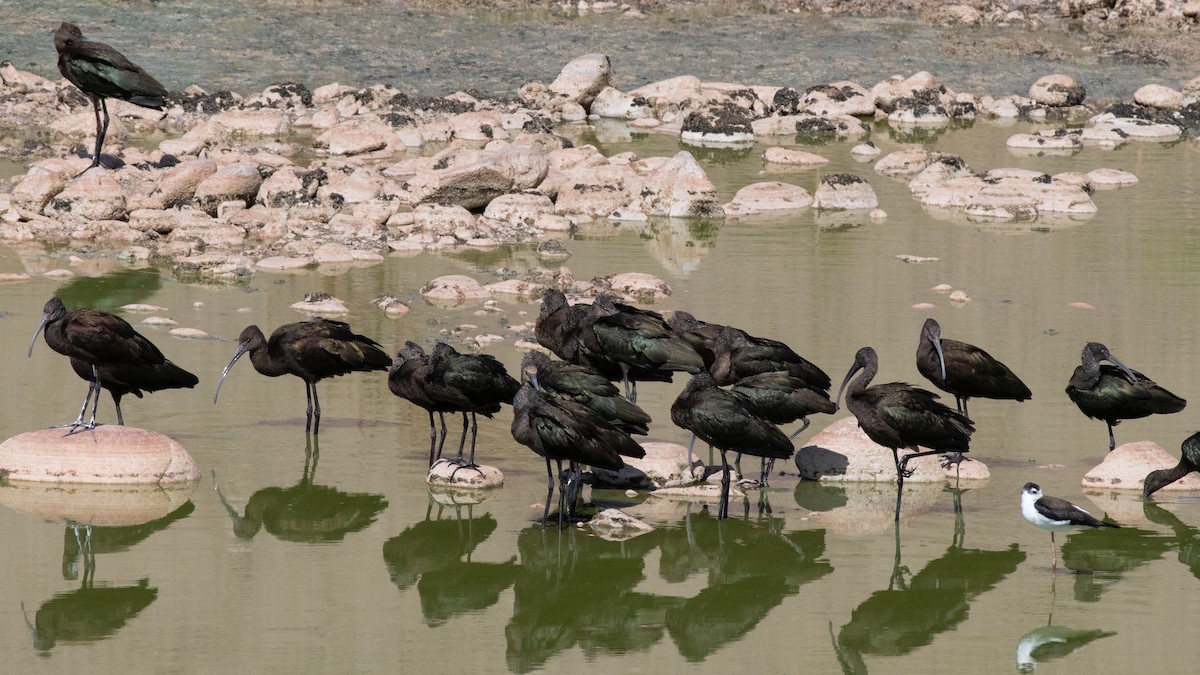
(435, 554)
(574, 589)
(1187, 538)
(1099, 558)
(92, 612)
(912, 611)
(305, 512)
(110, 291)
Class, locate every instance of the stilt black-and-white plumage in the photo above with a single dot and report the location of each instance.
(1054, 514)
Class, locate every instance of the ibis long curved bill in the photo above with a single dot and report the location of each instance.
(236, 355)
(36, 333)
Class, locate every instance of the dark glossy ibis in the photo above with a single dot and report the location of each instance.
(102, 72)
(780, 398)
(634, 338)
(558, 329)
(473, 383)
(311, 350)
(1054, 514)
(1115, 392)
(1188, 462)
(965, 370)
(727, 421)
(409, 378)
(738, 354)
(561, 430)
(898, 415)
(586, 386)
(701, 335)
(107, 352)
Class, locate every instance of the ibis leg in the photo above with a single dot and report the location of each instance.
(549, 493)
(723, 509)
(1112, 442)
(462, 442)
(432, 437)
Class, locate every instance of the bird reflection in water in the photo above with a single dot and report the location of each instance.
(1049, 642)
(1099, 558)
(752, 565)
(436, 555)
(912, 611)
(92, 612)
(305, 512)
(1187, 538)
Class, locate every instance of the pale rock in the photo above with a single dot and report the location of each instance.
(843, 452)
(191, 143)
(520, 207)
(569, 111)
(865, 150)
(550, 222)
(1105, 136)
(188, 333)
(886, 93)
(1057, 91)
(596, 190)
(907, 162)
(643, 287)
(664, 466)
(59, 274)
(838, 98)
(391, 305)
(332, 253)
(844, 191)
(23, 82)
(778, 155)
(264, 122)
(1159, 96)
(1003, 107)
(159, 321)
(229, 182)
(8, 277)
(453, 289)
(37, 188)
(475, 185)
(179, 183)
(1048, 139)
(1138, 129)
(678, 91)
(1126, 468)
(83, 124)
(109, 454)
(525, 291)
(616, 525)
(959, 297)
(361, 185)
(839, 126)
(278, 263)
(321, 304)
(961, 14)
(352, 139)
(96, 195)
(447, 474)
(583, 78)
(440, 220)
(287, 187)
(483, 125)
(1110, 177)
(616, 104)
(678, 188)
(718, 124)
(768, 197)
(877, 214)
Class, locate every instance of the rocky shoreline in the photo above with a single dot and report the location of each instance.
(230, 191)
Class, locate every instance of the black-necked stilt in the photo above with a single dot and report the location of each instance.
(1055, 515)
(1188, 462)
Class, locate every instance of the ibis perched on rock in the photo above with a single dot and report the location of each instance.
(1115, 392)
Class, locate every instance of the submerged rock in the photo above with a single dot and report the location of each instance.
(1126, 468)
(616, 525)
(843, 452)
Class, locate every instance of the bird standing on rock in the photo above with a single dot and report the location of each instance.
(726, 420)
(560, 430)
(311, 350)
(1054, 514)
(102, 72)
(965, 370)
(107, 352)
(898, 415)
(474, 383)
(1114, 393)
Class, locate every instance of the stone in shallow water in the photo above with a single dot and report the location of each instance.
(1126, 467)
(843, 452)
(445, 473)
(114, 454)
(664, 466)
(616, 525)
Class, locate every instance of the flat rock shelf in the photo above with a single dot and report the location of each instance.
(112, 455)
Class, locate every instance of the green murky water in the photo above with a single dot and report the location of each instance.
(337, 558)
